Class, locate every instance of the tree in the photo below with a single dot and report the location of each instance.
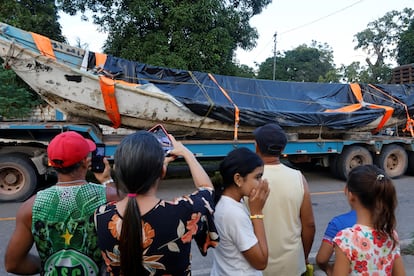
(379, 41)
(355, 72)
(39, 16)
(309, 64)
(15, 101)
(406, 46)
(193, 35)
(244, 71)
(352, 72)
(266, 69)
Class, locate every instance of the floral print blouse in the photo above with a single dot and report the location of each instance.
(369, 252)
(168, 230)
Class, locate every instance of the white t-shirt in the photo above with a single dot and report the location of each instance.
(236, 235)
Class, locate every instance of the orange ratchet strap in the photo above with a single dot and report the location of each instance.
(100, 60)
(236, 108)
(356, 90)
(109, 97)
(108, 91)
(410, 122)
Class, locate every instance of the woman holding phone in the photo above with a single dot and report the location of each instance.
(143, 234)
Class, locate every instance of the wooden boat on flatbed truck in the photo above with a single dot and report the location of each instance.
(339, 126)
(100, 88)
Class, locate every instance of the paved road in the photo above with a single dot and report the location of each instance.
(327, 197)
(328, 200)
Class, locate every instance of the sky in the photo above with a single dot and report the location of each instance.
(294, 22)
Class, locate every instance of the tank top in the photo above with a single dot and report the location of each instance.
(282, 221)
(63, 229)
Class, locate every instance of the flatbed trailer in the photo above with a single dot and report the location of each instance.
(24, 163)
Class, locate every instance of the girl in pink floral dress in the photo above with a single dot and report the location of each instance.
(371, 246)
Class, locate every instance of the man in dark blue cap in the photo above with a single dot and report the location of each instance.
(288, 215)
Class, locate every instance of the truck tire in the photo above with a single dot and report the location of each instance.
(351, 157)
(410, 169)
(393, 159)
(18, 178)
(333, 165)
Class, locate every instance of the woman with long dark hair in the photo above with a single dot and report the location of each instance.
(143, 234)
(370, 247)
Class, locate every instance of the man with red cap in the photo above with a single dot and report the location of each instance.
(59, 219)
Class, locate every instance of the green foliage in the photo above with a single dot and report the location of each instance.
(245, 72)
(380, 74)
(406, 46)
(39, 16)
(192, 35)
(302, 64)
(15, 101)
(330, 76)
(379, 41)
(355, 72)
(352, 72)
(266, 69)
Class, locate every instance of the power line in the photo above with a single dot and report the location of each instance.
(312, 22)
(321, 18)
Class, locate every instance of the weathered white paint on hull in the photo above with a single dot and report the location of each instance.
(77, 93)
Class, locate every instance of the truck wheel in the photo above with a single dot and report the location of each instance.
(393, 159)
(333, 164)
(18, 178)
(351, 157)
(410, 169)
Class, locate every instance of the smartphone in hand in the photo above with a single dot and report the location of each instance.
(162, 135)
(97, 164)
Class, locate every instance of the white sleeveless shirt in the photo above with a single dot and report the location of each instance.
(282, 221)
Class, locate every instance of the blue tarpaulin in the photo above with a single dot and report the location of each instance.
(290, 104)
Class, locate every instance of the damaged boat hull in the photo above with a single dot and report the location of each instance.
(63, 82)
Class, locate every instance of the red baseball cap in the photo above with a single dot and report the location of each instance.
(68, 148)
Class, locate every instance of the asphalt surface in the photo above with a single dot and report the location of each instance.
(327, 199)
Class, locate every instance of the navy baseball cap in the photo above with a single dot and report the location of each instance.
(270, 139)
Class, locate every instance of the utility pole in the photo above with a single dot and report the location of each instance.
(274, 57)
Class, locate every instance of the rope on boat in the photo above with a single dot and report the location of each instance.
(203, 90)
(236, 108)
(9, 55)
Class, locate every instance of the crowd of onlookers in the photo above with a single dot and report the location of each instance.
(257, 218)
